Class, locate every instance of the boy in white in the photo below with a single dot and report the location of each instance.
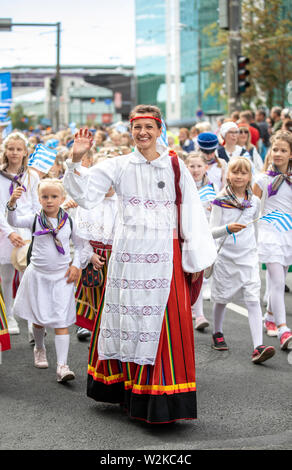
(46, 292)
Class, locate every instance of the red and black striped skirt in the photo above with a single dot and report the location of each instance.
(166, 391)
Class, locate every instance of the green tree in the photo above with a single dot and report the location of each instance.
(19, 119)
(267, 41)
(266, 38)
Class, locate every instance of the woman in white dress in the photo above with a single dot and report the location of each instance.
(145, 342)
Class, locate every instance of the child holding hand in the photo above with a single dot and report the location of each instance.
(46, 293)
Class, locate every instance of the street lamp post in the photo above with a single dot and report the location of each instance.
(6, 24)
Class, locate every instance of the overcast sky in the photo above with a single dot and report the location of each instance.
(93, 33)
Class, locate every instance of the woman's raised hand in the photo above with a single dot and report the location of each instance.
(82, 143)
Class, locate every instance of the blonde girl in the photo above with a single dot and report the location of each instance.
(274, 187)
(14, 173)
(50, 273)
(198, 167)
(236, 269)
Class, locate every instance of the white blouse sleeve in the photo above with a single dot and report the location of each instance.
(86, 253)
(88, 186)
(198, 250)
(20, 221)
(78, 245)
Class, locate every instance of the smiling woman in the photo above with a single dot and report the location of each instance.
(142, 355)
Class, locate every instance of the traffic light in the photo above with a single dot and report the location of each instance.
(53, 86)
(242, 74)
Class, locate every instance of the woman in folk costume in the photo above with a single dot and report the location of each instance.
(236, 270)
(145, 342)
(96, 228)
(4, 334)
(14, 173)
(274, 187)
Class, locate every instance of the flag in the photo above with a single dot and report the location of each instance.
(43, 158)
(163, 139)
(207, 193)
(281, 221)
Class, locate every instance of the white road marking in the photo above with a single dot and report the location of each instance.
(236, 308)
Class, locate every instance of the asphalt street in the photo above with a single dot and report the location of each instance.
(240, 405)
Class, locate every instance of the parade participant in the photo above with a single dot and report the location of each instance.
(244, 140)
(275, 248)
(230, 148)
(198, 167)
(49, 273)
(185, 142)
(96, 228)
(4, 334)
(14, 173)
(236, 269)
(217, 167)
(145, 340)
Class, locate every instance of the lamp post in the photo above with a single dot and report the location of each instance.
(6, 24)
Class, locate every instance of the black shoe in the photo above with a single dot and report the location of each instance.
(82, 333)
(219, 342)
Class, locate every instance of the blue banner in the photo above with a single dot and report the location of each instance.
(5, 95)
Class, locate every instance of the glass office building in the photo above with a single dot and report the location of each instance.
(172, 52)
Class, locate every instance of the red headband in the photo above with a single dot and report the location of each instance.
(146, 117)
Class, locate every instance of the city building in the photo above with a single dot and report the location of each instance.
(172, 54)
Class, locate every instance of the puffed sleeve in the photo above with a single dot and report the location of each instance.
(88, 186)
(198, 250)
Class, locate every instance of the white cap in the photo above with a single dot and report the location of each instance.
(226, 127)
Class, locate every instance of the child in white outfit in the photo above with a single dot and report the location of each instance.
(46, 293)
(274, 187)
(236, 269)
(14, 172)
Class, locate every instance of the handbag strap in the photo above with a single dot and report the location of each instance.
(178, 199)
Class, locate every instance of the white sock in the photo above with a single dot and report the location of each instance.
(255, 322)
(62, 348)
(282, 330)
(39, 334)
(197, 307)
(218, 317)
(269, 317)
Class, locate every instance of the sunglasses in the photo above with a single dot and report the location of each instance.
(244, 132)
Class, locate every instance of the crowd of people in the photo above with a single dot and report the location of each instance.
(97, 223)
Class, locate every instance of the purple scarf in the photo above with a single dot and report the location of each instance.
(229, 200)
(48, 227)
(14, 179)
(278, 180)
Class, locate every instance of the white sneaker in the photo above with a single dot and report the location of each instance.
(40, 358)
(13, 328)
(64, 373)
(201, 323)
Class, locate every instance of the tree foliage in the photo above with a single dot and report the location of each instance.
(266, 39)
